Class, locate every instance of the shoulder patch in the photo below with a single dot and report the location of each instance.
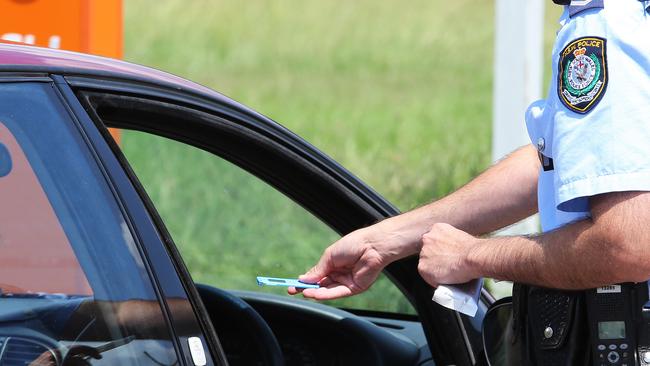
(582, 74)
(578, 6)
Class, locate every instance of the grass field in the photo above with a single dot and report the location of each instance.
(398, 92)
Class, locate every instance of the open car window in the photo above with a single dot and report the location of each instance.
(73, 284)
(238, 200)
(231, 227)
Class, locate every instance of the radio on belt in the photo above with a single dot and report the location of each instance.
(619, 324)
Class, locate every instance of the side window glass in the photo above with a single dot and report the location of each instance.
(231, 227)
(28, 221)
(73, 286)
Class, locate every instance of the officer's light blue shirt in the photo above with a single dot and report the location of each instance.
(593, 130)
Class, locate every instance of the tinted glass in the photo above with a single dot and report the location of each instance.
(73, 284)
(231, 227)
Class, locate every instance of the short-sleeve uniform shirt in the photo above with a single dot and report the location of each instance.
(593, 129)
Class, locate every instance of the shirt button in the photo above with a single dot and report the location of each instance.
(541, 144)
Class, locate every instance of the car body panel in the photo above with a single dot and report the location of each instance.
(16, 56)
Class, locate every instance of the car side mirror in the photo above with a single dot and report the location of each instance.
(499, 342)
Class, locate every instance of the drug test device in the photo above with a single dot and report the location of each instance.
(287, 282)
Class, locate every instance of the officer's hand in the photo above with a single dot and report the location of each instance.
(347, 267)
(444, 256)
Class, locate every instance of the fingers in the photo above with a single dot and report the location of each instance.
(326, 281)
(345, 252)
(293, 291)
(333, 290)
(444, 256)
(331, 293)
(426, 272)
(334, 287)
(320, 270)
(317, 274)
(346, 268)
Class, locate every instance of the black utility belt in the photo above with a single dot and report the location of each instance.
(607, 326)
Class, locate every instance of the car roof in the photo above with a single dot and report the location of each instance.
(16, 57)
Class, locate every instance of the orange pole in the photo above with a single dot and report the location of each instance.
(89, 26)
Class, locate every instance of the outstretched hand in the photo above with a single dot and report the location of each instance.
(346, 268)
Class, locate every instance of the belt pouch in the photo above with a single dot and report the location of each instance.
(556, 327)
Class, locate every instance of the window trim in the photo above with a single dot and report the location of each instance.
(149, 243)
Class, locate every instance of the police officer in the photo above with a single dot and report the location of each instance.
(587, 172)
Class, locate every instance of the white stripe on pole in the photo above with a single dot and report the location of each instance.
(517, 79)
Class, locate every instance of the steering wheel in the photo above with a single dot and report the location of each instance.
(230, 314)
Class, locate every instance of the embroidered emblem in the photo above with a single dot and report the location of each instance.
(582, 75)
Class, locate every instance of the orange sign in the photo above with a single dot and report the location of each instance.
(88, 26)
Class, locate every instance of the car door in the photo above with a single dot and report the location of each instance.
(77, 285)
(284, 161)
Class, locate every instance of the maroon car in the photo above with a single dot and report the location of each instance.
(90, 275)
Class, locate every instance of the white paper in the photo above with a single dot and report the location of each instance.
(463, 298)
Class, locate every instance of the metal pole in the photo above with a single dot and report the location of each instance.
(517, 80)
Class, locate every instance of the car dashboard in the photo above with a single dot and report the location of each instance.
(315, 334)
(35, 330)
(308, 334)
(22, 351)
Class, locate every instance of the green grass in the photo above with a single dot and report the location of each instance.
(398, 92)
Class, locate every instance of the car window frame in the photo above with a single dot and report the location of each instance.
(447, 334)
(150, 244)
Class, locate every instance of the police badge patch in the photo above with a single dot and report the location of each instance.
(582, 75)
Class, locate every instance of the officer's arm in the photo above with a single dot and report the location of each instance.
(500, 196)
(612, 247)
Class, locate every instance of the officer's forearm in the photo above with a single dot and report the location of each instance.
(610, 248)
(500, 196)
